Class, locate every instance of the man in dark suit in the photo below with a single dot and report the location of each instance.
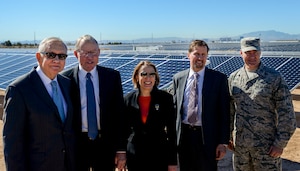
(38, 135)
(202, 127)
(108, 147)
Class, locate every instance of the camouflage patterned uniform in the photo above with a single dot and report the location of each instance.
(262, 115)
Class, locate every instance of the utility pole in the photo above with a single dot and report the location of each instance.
(34, 43)
(100, 39)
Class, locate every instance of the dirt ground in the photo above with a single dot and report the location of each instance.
(290, 157)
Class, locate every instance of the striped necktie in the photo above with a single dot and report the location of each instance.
(193, 101)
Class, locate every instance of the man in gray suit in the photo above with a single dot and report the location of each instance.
(203, 133)
(38, 135)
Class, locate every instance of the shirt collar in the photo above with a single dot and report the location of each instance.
(46, 80)
(201, 73)
(83, 72)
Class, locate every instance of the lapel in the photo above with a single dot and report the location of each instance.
(75, 89)
(207, 84)
(154, 105)
(181, 86)
(135, 104)
(102, 86)
(75, 76)
(104, 83)
(41, 91)
(135, 99)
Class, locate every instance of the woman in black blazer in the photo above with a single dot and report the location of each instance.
(151, 121)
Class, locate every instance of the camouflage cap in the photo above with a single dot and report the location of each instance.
(250, 43)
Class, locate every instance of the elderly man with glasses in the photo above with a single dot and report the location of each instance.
(98, 97)
(38, 132)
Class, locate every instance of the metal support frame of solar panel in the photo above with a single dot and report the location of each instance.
(158, 56)
(103, 54)
(128, 55)
(114, 55)
(142, 56)
(176, 57)
(17, 51)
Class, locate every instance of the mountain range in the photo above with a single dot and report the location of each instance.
(269, 35)
(273, 35)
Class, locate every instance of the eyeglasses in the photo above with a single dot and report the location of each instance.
(51, 55)
(145, 74)
(88, 53)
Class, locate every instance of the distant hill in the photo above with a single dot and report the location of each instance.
(269, 35)
(272, 35)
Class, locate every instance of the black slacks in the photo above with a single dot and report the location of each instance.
(95, 154)
(192, 153)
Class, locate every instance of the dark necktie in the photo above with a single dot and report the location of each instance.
(91, 108)
(193, 101)
(57, 100)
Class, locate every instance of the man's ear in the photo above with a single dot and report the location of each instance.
(38, 56)
(76, 54)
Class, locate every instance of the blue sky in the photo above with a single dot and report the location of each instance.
(133, 19)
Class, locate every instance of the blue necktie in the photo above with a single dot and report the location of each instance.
(193, 101)
(91, 108)
(57, 100)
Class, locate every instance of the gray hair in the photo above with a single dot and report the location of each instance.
(44, 43)
(84, 38)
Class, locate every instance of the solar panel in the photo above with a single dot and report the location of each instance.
(214, 61)
(169, 68)
(230, 65)
(17, 63)
(115, 62)
(291, 72)
(273, 62)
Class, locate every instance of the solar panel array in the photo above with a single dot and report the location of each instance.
(14, 64)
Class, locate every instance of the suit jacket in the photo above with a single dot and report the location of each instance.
(157, 137)
(111, 107)
(35, 139)
(215, 107)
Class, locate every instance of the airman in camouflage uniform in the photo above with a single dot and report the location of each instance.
(262, 113)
